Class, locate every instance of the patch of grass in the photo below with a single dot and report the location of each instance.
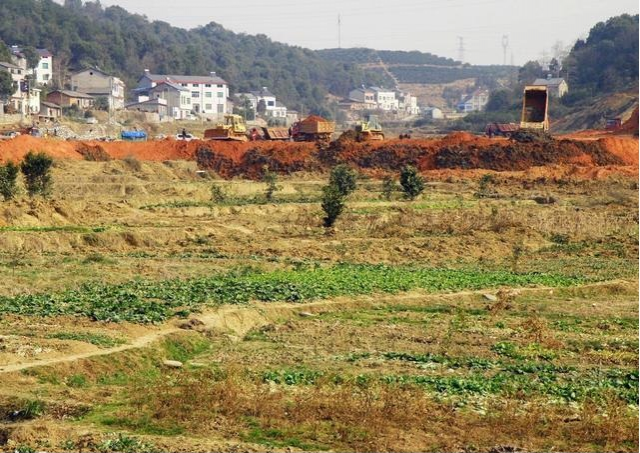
(52, 228)
(149, 301)
(279, 438)
(100, 340)
(77, 381)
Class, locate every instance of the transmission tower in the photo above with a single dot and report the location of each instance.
(339, 32)
(505, 46)
(460, 49)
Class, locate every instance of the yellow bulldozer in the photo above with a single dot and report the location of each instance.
(233, 129)
(369, 129)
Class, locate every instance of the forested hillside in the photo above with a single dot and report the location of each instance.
(607, 60)
(115, 40)
(414, 66)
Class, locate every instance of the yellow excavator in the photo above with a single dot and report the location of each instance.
(233, 129)
(369, 129)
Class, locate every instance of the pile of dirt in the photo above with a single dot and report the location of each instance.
(250, 162)
(458, 150)
(15, 149)
(313, 119)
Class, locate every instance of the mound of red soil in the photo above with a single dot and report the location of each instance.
(455, 151)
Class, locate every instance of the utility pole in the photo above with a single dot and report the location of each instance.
(505, 46)
(339, 32)
(461, 49)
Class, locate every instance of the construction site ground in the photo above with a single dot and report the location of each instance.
(496, 312)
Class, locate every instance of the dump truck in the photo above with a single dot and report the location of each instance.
(313, 129)
(369, 129)
(275, 133)
(500, 129)
(233, 129)
(535, 106)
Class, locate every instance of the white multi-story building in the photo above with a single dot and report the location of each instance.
(272, 107)
(206, 95)
(385, 99)
(408, 103)
(475, 102)
(26, 99)
(43, 72)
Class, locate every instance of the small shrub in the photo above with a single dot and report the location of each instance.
(36, 168)
(388, 187)
(411, 181)
(343, 179)
(332, 204)
(133, 163)
(218, 194)
(271, 180)
(8, 180)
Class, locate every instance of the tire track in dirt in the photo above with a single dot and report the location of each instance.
(240, 319)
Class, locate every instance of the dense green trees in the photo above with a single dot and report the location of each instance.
(607, 60)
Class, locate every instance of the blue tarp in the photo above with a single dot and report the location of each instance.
(133, 135)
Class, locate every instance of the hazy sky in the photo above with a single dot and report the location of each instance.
(532, 26)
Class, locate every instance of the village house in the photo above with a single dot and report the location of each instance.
(69, 98)
(408, 103)
(177, 99)
(385, 99)
(43, 72)
(475, 102)
(155, 105)
(97, 83)
(207, 95)
(49, 111)
(556, 86)
(264, 100)
(26, 99)
(366, 97)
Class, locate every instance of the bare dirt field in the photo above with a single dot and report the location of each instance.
(496, 312)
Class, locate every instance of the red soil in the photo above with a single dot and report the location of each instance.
(455, 152)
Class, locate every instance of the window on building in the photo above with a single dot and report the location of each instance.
(208, 85)
(220, 108)
(208, 107)
(220, 86)
(45, 77)
(271, 103)
(208, 94)
(45, 65)
(184, 84)
(195, 85)
(220, 94)
(195, 94)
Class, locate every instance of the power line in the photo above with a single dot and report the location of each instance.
(460, 49)
(505, 46)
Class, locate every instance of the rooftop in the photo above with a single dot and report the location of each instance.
(73, 94)
(157, 78)
(554, 81)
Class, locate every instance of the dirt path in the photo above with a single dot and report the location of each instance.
(240, 319)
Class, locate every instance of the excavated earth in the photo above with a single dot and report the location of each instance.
(456, 151)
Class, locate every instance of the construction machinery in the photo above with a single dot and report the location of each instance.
(369, 129)
(535, 107)
(500, 129)
(233, 129)
(275, 133)
(313, 129)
